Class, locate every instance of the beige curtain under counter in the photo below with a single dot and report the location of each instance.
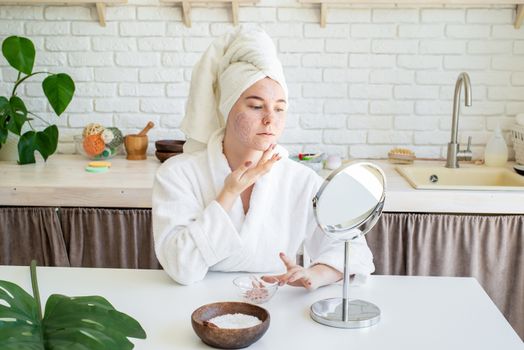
(487, 247)
(117, 238)
(28, 233)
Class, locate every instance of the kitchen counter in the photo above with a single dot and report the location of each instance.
(416, 312)
(62, 181)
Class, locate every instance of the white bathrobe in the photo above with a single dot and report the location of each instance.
(194, 234)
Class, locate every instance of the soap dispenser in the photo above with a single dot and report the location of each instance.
(496, 152)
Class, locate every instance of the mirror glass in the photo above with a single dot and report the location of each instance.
(350, 200)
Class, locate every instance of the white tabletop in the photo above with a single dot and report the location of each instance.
(417, 312)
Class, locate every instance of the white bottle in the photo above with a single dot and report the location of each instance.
(496, 152)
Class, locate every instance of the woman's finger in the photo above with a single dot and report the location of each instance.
(287, 262)
(252, 175)
(284, 279)
(271, 279)
(266, 167)
(243, 168)
(266, 155)
(301, 279)
(307, 282)
(299, 274)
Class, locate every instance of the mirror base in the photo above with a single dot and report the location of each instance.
(329, 312)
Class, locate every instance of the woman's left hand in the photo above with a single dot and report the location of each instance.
(296, 275)
(310, 278)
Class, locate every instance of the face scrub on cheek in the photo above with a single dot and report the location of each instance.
(245, 127)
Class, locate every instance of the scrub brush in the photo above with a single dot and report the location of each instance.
(401, 156)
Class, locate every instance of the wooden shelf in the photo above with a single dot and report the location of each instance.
(100, 5)
(519, 17)
(186, 7)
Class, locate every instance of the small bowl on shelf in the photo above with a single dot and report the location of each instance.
(94, 149)
(172, 146)
(255, 290)
(166, 149)
(229, 338)
(163, 156)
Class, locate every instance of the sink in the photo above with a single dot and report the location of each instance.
(474, 177)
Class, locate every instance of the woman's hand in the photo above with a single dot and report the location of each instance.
(311, 278)
(245, 176)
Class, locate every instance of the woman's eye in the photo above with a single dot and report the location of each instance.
(256, 107)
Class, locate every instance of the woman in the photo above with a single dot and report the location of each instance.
(233, 201)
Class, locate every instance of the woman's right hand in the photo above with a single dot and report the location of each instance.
(245, 176)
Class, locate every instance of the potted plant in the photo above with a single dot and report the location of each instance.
(58, 88)
(88, 322)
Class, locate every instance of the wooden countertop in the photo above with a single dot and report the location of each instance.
(62, 181)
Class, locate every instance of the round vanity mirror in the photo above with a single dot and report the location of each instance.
(346, 207)
(350, 200)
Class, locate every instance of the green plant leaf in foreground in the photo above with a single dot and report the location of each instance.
(59, 90)
(20, 53)
(89, 323)
(44, 142)
(20, 327)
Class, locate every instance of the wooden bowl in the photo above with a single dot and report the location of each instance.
(225, 338)
(169, 145)
(163, 156)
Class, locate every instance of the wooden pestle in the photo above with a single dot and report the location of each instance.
(146, 129)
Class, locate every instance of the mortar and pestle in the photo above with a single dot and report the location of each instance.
(136, 144)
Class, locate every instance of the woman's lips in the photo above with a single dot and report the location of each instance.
(266, 134)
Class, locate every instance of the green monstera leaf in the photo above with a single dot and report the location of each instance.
(4, 106)
(17, 113)
(44, 142)
(59, 90)
(89, 322)
(20, 326)
(20, 53)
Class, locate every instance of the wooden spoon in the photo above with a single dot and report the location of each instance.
(146, 129)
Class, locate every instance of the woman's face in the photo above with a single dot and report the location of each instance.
(258, 117)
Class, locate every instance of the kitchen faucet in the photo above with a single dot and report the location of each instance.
(454, 152)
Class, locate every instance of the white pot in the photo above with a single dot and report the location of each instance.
(9, 150)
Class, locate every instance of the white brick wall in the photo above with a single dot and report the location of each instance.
(373, 79)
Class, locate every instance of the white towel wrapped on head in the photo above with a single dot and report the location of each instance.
(231, 64)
